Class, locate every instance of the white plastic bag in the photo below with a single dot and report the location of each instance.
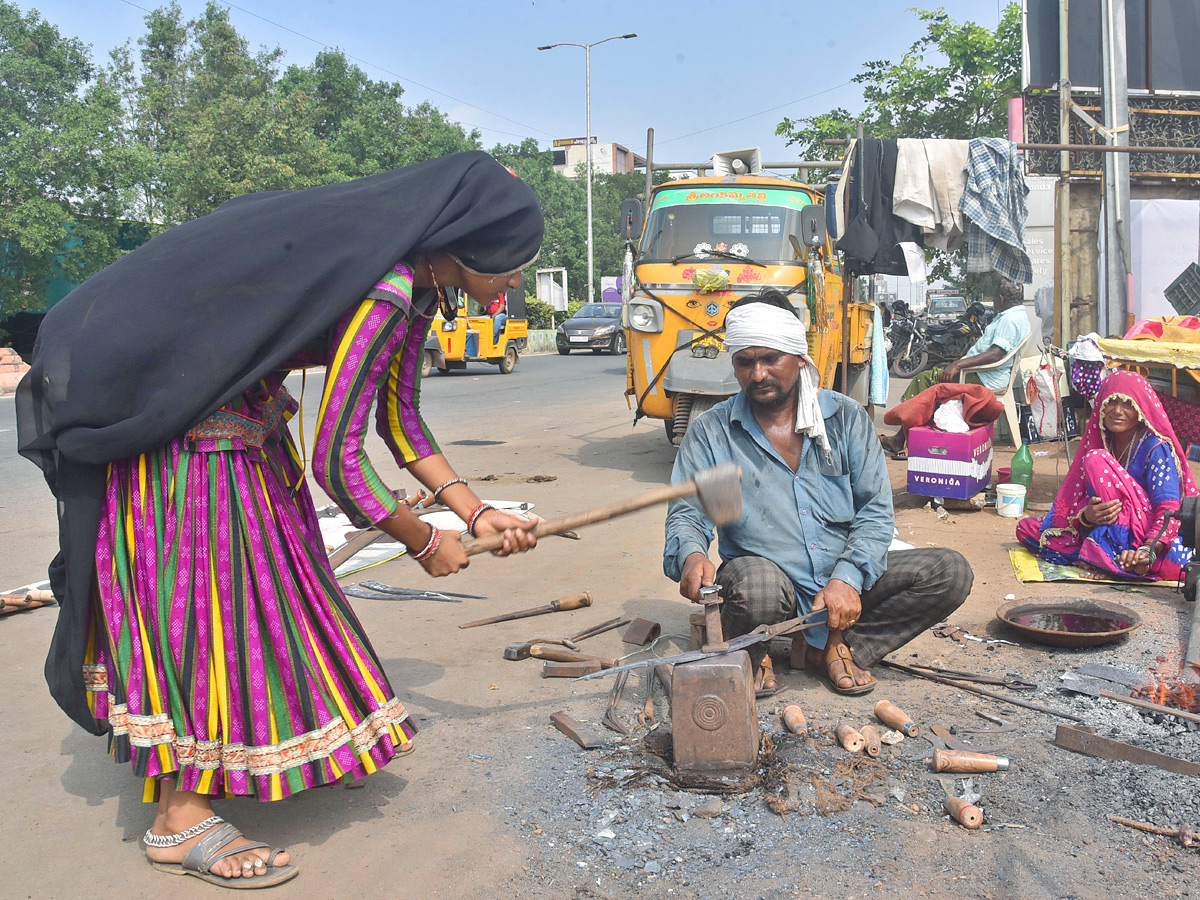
(1042, 394)
(949, 417)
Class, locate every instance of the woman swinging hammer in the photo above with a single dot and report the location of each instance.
(201, 624)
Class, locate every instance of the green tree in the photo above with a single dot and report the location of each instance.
(60, 184)
(205, 120)
(564, 203)
(364, 125)
(954, 82)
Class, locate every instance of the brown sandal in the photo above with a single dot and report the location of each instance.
(840, 655)
(765, 683)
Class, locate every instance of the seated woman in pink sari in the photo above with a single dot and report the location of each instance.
(1127, 477)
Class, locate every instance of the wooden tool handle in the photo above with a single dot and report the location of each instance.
(894, 717)
(793, 719)
(588, 517)
(561, 654)
(870, 734)
(964, 761)
(968, 815)
(850, 739)
(571, 601)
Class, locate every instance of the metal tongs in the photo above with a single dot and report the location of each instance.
(1009, 681)
(762, 633)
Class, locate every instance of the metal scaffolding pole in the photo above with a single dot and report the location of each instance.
(1115, 94)
(1062, 222)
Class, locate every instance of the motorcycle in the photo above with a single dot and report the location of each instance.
(935, 345)
(902, 337)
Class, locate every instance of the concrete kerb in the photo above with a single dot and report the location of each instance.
(540, 341)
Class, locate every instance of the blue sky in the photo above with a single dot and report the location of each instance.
(706, 76)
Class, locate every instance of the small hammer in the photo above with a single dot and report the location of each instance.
(718, 489)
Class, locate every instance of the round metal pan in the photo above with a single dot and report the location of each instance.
(1069, 622)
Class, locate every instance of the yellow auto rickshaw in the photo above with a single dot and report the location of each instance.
(475, 336)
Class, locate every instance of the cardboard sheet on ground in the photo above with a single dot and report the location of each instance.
(1029, 568)
(335, 528)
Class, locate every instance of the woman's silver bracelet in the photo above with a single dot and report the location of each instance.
(445, 485)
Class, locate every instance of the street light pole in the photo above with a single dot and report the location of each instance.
(587, 55)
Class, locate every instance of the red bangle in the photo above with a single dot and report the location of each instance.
(474, 517)
(435, 541)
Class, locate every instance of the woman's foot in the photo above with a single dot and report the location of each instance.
(180, 810)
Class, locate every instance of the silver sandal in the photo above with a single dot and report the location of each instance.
(218, 834)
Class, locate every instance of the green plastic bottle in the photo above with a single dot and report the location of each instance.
(1021, 467)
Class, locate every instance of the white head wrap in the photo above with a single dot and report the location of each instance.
(764, 325)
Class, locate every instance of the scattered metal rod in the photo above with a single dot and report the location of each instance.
(1082, 740)
(1093, 688)
(646, 717)
(610, 719)
(970, 688)
(562, 604)
(394, 589)
(1185, 836)
(1009, 681)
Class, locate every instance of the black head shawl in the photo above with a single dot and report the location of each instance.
(168, 334)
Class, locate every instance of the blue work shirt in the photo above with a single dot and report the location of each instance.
(830, 519)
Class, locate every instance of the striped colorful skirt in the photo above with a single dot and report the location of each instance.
(222, 651)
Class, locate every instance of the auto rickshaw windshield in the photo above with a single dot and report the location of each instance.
(754, 222)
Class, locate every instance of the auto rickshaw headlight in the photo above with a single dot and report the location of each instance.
(645, 315)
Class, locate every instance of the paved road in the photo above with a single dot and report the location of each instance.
(462, 405)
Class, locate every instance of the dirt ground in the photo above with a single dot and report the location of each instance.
(496, 803)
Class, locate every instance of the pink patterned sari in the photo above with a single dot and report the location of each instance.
(1149, 486)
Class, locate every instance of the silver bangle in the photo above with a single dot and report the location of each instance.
(445, 485)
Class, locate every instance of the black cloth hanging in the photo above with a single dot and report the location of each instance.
(871, 243)
(171, 332)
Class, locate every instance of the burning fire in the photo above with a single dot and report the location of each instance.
(1170, 685)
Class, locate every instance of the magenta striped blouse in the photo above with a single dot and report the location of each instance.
(376, 355)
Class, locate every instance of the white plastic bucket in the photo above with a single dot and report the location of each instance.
(1010, 500)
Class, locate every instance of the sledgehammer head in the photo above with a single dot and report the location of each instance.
(719, 490)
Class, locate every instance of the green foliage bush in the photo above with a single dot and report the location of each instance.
(539, 315)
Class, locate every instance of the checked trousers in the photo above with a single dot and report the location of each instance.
(920, 588)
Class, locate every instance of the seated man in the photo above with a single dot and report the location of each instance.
(817, 511)
(1007, 331)
(498, 310)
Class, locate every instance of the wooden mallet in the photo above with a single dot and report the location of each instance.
(718, 489)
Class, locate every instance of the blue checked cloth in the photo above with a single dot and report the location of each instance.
(994, 204)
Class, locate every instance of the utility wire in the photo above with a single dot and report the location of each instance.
(487, 111)
(386, 71)
(750, 116)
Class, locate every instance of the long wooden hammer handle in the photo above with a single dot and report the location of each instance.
(588, 517)
(558, 654)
